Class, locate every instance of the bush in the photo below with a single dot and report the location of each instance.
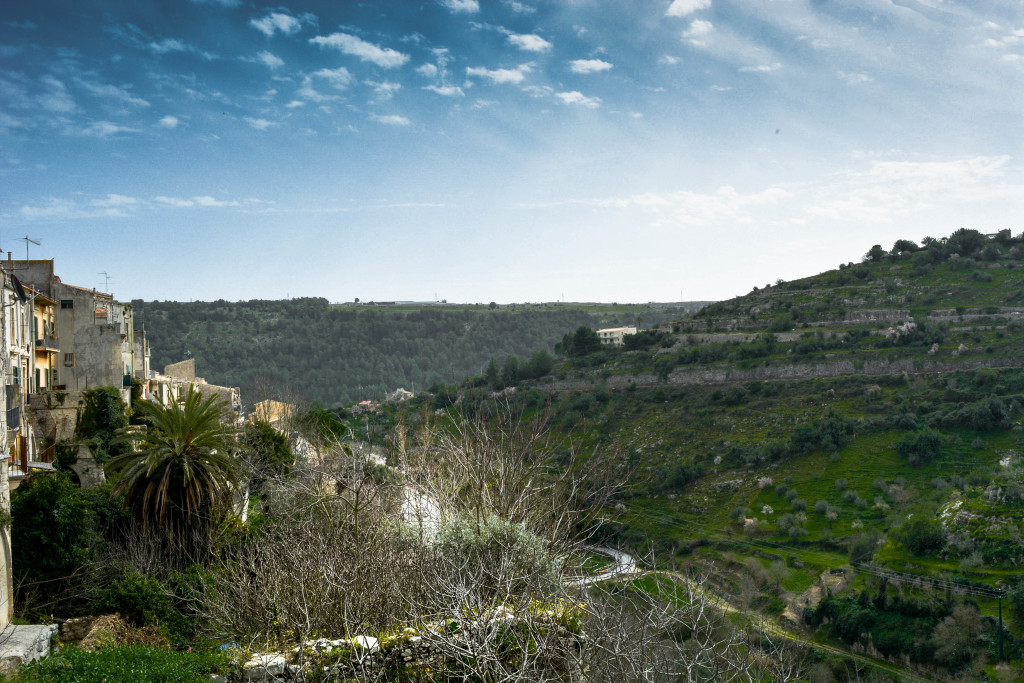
(921, 534)
(58, 530)
(497, 552)
(922, 446)
(103, 416)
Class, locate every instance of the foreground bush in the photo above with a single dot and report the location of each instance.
(122, 665)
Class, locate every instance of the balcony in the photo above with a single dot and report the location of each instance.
(47, 344)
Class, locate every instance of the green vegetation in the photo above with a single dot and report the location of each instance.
(338, 354)
(122, 665)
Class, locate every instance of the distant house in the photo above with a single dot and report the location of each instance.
(613, 336)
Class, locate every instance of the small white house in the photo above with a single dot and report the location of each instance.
(613, 336)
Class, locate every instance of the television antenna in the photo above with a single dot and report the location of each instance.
(27, 241)
(106, 281)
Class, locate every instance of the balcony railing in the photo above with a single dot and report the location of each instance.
(47, 343)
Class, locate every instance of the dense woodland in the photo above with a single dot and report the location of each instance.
(334, 354)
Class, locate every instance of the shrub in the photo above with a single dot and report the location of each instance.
(821, 507)
(58, 530)
(922, 446)
(921, 534)
(494, 548)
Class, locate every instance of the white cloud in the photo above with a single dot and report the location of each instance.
(500, 75)
(854, 79)
(681, 8)
(698, 31)
(169, 122)
(384, 90)
(576, 97)
(174, 201)
(340, 78)
(529, 42)
(222, 3)
(762, 68)
(210, 201)
(258, 124)
(427, 70)
(168, 45)
(668, 59)
(462, 5)
(391, 120)
(104, 129)
(115, 200)
(269, 59)
(588, 66)
(56, 98)
(276, 21)
(110, 206)
(112, 92)
(446, 90)
(357, 47)
(519, 7)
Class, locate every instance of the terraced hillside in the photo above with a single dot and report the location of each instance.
(863, 419)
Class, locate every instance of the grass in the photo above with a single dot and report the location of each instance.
(129, 664)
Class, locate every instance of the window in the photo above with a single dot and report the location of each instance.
(17, 375)
(67, 303)
(53, 377)
(69, 360)
(39, 380)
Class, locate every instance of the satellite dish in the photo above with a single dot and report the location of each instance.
(19, 290)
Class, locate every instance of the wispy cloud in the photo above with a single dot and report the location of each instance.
(23, 25)
(855, 79)
(53, 208)
(222, 3)
(520, 7)
(446, 90)
(258, 124)
(56, 97)
(204, 201)
(391, 120)
(762, 68)
(340, 78)
(169, 121)
(682, 8)
(105, 129)
(578, 98)
(349, 44)
(276, 22)
(589, 66)
(112, 92)
(529, 42)
(269, 59)
(384, 90)
(461, 5)
(698, 31)
(500, 75)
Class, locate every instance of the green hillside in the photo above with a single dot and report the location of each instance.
(312, 350)
(866, 418)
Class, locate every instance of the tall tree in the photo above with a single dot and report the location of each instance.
(180, 475)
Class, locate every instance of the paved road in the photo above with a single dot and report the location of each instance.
(625, 564)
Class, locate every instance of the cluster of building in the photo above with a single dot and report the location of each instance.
(57, 341)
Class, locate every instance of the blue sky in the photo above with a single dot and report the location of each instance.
(506, 150)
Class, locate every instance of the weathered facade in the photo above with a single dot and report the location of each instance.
(96, 346)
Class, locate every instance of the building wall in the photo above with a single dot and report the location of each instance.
(186, 370)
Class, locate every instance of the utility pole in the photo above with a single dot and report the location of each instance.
(1001, 657)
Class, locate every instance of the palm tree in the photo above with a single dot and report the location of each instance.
(181, 474)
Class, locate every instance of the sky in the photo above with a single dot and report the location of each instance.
(499, 150)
